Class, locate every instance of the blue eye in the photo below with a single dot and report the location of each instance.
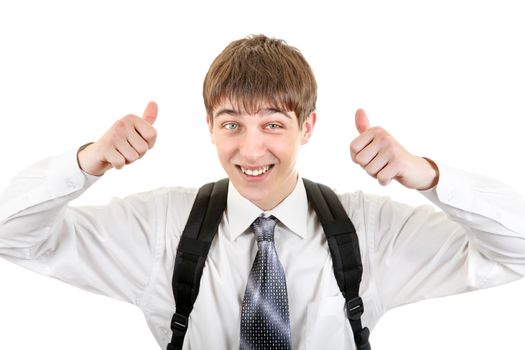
(231, 126)
(273, 126)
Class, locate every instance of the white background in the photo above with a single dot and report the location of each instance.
(446, 79)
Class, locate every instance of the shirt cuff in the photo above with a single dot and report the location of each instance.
(461, 193)
(48, 179)
(64, 175)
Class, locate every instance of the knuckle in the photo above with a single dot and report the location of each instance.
(129, 119)
(359, 158)
(152, 134)
(151, 141)
(125, 122)
(141, 150)
(388, 154)
(379, 130)
(353, 148)
(394, 164)
(133, 157)
(371, 171)
(385, 138)
(394, 154)
(117, 131)
(374, 172)
(113, 136)
(120, 124)
(383, 180)
(119, 163)
(374, 130)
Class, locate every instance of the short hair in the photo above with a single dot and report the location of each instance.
(257, 71)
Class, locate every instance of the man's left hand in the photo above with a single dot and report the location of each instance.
(383, 158)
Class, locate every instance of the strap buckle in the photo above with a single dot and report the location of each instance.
(354, 308)
(179, 324)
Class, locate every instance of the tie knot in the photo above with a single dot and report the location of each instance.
(263, 228)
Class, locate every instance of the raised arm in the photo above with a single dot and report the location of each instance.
(106, 249)
(476, 241)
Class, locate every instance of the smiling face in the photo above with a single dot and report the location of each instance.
(259, 151)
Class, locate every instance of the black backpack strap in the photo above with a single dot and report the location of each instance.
(195, 242)
(203, 221)
(344, 249)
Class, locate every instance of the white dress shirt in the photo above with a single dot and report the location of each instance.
(126, 250)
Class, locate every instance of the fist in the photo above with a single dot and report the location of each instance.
(126, 141)
(383, 158)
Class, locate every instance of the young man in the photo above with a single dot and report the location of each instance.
(260, 98)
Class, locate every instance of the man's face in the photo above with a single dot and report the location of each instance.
(259, 151)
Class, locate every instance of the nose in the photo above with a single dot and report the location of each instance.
(252, 145)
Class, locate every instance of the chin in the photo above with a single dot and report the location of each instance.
(255, 194)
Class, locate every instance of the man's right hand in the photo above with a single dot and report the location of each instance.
(125, 142)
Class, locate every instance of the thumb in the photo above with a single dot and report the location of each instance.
(361, 121)
(150, 113)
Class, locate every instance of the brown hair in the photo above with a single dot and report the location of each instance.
(259, 70)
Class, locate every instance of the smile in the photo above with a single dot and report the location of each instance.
(257, 171)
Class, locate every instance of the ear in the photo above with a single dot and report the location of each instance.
(308, 127)
(210, 128)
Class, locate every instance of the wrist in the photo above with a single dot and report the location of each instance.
(432, 175)
(82, 160)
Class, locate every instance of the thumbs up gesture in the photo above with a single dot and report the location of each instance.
(127, 140)
(383, 158)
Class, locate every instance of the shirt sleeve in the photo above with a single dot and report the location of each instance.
(476, 241)
(108, 249)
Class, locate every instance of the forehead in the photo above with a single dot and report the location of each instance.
(259, 107)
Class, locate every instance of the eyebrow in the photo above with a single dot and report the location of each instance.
(264, 111)
(270, 110)
(226, 111)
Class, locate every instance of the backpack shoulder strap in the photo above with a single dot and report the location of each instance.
(201, 227)
(194, 244)
(344, 249)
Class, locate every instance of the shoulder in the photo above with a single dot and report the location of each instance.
(359, 205)
(175, 198)
(166, 196)
(173, 203)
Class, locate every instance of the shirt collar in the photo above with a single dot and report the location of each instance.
(292, 211)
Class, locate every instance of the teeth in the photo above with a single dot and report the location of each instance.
(255, 172)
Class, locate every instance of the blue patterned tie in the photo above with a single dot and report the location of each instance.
(265, 319)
